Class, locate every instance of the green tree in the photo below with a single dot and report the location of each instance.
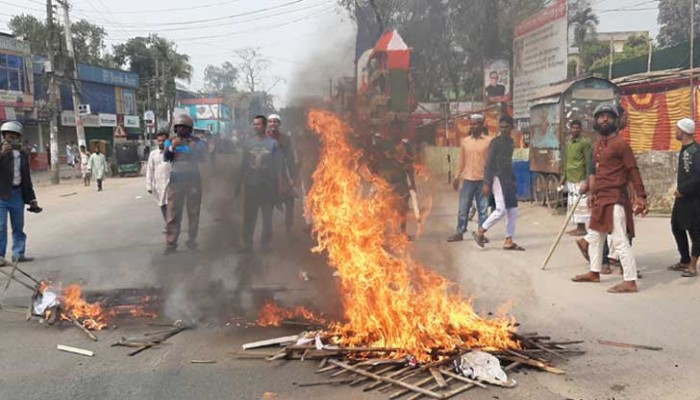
(674, 19)
(583, 21)
(88, 38)
(221, 80)
(142, 55)
(635, 46)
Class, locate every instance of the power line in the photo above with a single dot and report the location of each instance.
(141, 12)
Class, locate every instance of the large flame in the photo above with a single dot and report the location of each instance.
(389, 299)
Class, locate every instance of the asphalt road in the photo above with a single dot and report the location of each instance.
(113, 240)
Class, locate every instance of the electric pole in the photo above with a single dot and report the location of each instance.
(79, 128)
(53, 97)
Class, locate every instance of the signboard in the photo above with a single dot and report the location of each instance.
(540, 54)
(497, 81)
(89, 121)
(149, 118)
(131, 121)
(109, 120)
(14, 98)
(108, 76)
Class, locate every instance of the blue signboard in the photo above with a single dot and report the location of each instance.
(108, 76)
(99, 97)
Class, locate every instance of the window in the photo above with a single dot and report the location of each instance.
(11, 72)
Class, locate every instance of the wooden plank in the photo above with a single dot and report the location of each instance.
(391, 375)
(414, 388)
(629, 345)
(533, 363)
(402, 392)
(463, 378)
(439, 379)
(431, 387)
(75, 350)
(271, 342)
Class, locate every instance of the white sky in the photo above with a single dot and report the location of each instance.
(293, 34)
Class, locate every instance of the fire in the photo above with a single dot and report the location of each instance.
(93, 316)
(273, 315)
(389, 299)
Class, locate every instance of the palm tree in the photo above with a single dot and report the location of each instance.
(584, 22)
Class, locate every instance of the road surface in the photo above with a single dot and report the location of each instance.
(113, 240)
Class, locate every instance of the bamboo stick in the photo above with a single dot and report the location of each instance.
(394, 381)
(629, 345)
(439, 379)
(75, 350)
(83, 328)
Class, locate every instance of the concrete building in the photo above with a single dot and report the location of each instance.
(619, 38)
(16, 80)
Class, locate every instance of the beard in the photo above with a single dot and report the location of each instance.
(606, 130)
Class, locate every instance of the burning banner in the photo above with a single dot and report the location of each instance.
(389, 299)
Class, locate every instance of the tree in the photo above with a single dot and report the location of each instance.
(221, 80)
(451, 39)
(254, 68)
(142, 55)
(674, 19)
(583, 21)
(636, 46)
(88, 39)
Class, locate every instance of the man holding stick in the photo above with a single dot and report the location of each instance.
(610, 199)
(685, 219)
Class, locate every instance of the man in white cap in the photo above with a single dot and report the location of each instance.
(288, 174)
(474, 150)
(16, 190)
(685, 219)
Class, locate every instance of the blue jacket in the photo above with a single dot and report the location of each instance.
(185, 159)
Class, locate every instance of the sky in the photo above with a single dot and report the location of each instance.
(308, 38)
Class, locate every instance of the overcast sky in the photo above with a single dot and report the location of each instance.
(298, 36)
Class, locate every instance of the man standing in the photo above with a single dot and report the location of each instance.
(610, 200)
(685, 219)
(16, 190)
(289, 175)
(258, 176)
(577, 160)
(184, 153)
(158, 174)
(98, 166)
(70, 156)
(85, 165)
(474, 150)
(500, 180)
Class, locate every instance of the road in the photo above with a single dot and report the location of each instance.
(113, 239)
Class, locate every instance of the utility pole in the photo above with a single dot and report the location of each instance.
(79, 128)
(692, 56)
(53, 97)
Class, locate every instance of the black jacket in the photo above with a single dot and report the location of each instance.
(686, 210)
(7, 172)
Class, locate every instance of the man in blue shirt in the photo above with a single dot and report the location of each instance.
(185, 154)
(259, 176)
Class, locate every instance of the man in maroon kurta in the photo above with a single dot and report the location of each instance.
(611, 201)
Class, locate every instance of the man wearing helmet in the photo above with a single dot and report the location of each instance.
(16, 190)
(185, 186)
(610, 199)
(289, 173)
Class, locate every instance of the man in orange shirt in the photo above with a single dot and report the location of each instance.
(474, 150)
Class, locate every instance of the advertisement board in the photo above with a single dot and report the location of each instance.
(539, 54)
(89, 121)
(131, 121)
(108, 120)
(497, 81)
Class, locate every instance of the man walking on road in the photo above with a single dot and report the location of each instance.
(98, 166)
(500, 180)
(685, 218)
(289, 174)
(577, 160)
(184, 154)
(258, 177)
(610, 200)
(158, 174)
(85, 165)
(16, 190)
(474, 150)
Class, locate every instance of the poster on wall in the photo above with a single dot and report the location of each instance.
(497, 81)
(539, 54)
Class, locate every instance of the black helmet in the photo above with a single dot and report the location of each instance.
(606, 108)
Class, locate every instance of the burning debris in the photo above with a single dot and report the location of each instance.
(274, 315)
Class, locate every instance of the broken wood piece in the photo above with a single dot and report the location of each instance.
(534, 363)
(324, 383)
(75, 350)
(629, 345)
(431, 387)
(439, 379)
(243, 355)
(202, 361)
(272, 342)
(140, 349)
(322, 363)
(389, 380)
(326, 369)
(391, 375)
(405, 390)
(83, 328)
(462, 378)
(281, 354)
(378, 372)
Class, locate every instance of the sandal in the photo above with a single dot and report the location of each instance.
(689, 274)
(678, 267)
(479, 239)
(514, 247)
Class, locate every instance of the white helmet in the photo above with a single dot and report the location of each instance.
(274, 116)
(12, 126)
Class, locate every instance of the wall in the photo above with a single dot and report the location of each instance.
(659, 170)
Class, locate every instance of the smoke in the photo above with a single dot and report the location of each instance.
(333, 58)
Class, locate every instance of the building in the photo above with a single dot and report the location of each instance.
(111, 95)
(16, 80)
(619, 39)
(211, 115)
